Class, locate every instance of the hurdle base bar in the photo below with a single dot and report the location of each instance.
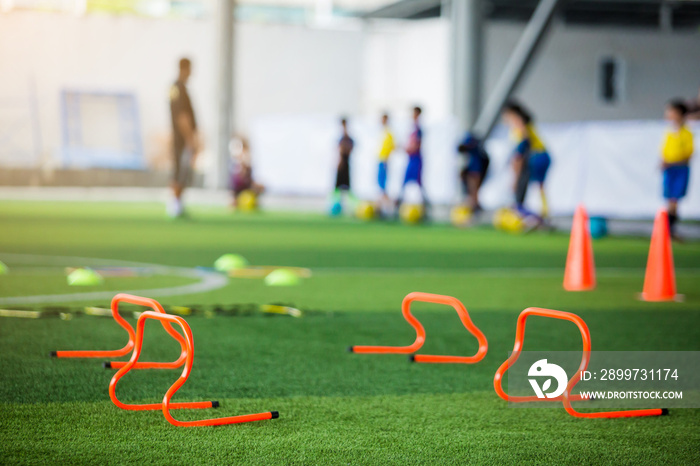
(145, 365)
(440, 359)
(618, 414)
(53, 354)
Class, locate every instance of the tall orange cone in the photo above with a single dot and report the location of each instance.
(580, 268)
(660, 278)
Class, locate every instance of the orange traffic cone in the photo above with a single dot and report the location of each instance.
(660, 278)
(580, 268)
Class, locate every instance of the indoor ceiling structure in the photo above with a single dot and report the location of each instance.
(640, 13)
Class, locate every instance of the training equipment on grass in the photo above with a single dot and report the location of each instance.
(579, 274)
(3, 268)
(282, 277)
(567, 397)
(97, 311)
(508, 220)
(84, 277)
(229, 262)
(460, 215)
(420, 333)
(247, 201)
(411, 213)
(21, 314)
(660, 277)
(336, 209)
(139, 301)
(166, 320)
(365, 211)
(599, 227)
(262, 271)
(283, 310)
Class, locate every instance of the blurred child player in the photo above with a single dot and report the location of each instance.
(342, 177)
(385, 151)
(242, 173)
(474, 171)
(531, 160)
(676, 151)
(414, 169)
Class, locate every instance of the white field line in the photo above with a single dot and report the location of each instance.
(207, 280)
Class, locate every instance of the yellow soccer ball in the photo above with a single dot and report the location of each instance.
(365, 211)
(411, 213)
(247, 201)
(460, 215)
(508, 220)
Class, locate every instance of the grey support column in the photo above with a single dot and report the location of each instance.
(466, 17)
(219, 176)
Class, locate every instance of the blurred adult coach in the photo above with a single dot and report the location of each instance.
(185, 138)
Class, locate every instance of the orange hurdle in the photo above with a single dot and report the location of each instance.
(138, 300)
(566, 398)
(166, 405)
(519, 338)
(420, 333)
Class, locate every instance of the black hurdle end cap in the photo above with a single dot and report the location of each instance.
(214, 404)
(53, 354)
(412, 358)
(274, 414)
(351, 349)
(664, 411)
(107, 365)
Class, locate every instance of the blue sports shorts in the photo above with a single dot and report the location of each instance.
(381, 176)
(414, 170)
(539, 163)
(676, 181)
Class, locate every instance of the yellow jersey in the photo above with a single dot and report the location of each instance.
(530, 135)
(387, 146)
(678, 146)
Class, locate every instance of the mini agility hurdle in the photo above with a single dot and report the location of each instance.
(140, 301)
(166, 405)
(420, 333)
(566, 397)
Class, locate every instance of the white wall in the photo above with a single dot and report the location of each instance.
(280, 70)
(407, 62)
(284, 69)
(106, 53)
(562, 83)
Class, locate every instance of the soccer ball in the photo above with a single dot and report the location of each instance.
(460, 215)
(411, 213)
(247, 201)
(336, 209)
(365, 211)
(508, 220)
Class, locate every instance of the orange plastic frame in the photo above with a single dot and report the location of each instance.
(140, 301)
(566, 398)
(420, 333)
(166, 405)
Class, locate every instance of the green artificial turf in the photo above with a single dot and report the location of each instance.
(335, 407)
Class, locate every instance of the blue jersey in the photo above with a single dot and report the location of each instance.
(414, 142)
